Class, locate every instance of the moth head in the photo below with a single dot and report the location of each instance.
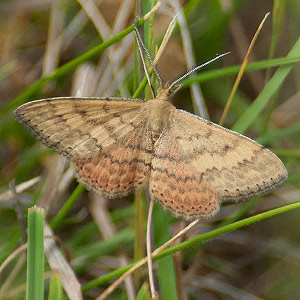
(165, 92)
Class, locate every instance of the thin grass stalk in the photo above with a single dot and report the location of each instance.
(277, 22)
(165, 267)
(241, 71)
(264, 97)
(201, 238)
(68, 67)
(139, 221)
(197, 97)
(278, 17)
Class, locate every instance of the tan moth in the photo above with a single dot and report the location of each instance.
(118, 146)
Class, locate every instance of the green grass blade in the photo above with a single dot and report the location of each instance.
(228, 228)
(91, 252)
(66, 68)
(67, 206)
(279, 134)
(55, 291)
(202, 238)
(35, 254)
(143, 293)
(270, 89)
(103, 247)
(287, 152)
(165, 267)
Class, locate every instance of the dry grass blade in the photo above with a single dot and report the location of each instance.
(105, 237)
(242, 69)
(58, 263)
(54, 171)
(96, 17)
(12, 256)
(165, 40)
(10, 279)
(148, 242)
(100, 213)
(54, 41)
(20, 188)
(198, 101)
(143, 261)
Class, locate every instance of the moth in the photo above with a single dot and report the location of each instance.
(119, 146)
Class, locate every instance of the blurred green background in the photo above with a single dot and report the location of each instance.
(47, 50)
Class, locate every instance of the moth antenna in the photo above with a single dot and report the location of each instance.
(175, 82)
(142, 48)
(143, 61)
